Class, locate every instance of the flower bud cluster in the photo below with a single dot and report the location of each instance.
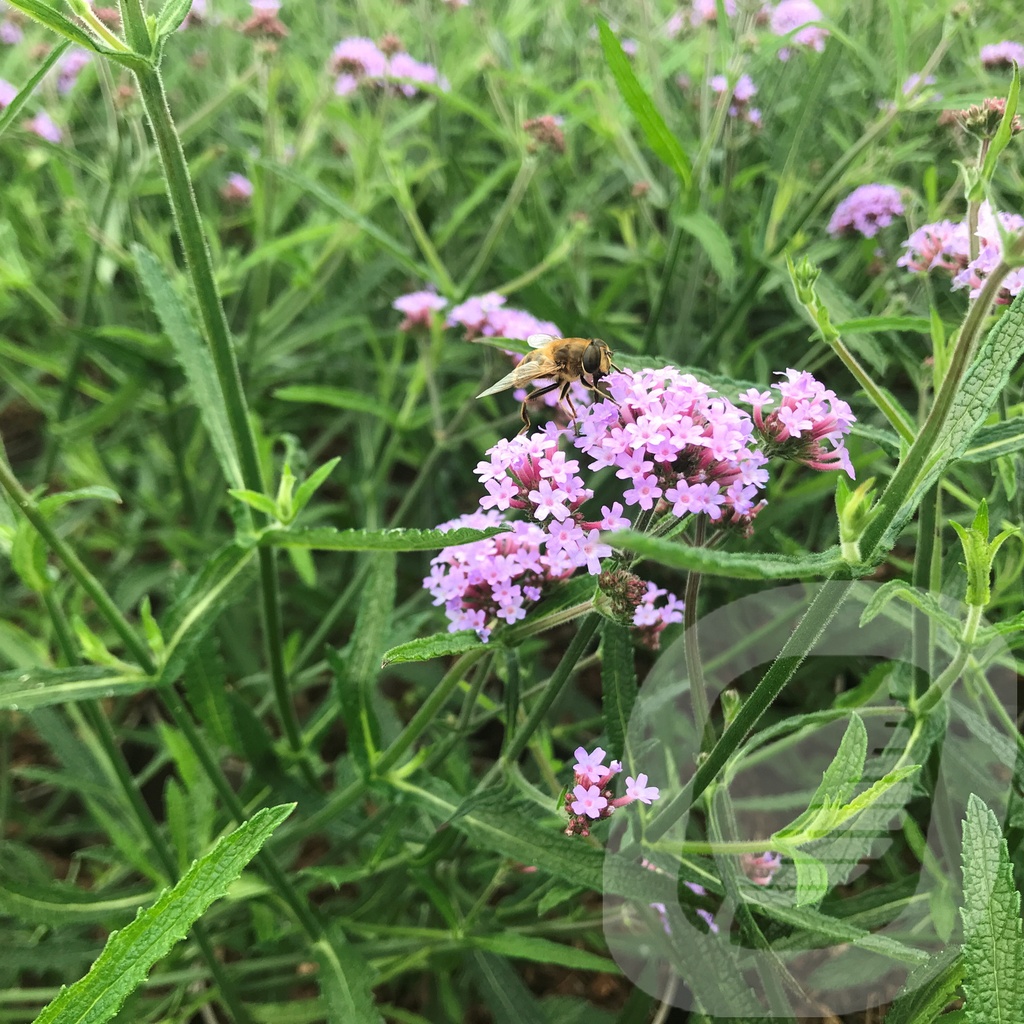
(808, 415)
(634, 602)
(982, 119)
(591, 797)
(946, 246)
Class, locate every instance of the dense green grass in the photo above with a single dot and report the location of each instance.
(175, 660)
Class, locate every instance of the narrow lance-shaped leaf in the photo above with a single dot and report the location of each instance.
(32, 688)
(735, 565)
(665, 145)
(440, 645)
(328, 539)
(196, 361)
(14, 108)
(130, 953)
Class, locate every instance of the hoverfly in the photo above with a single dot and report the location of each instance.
(564, 360)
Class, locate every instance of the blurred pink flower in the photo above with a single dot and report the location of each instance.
(43, 126)
(10, 33)
(1002, 55)
(794, 18)
(237, 188)
(866, 210)
(419, 308)
(7, 93)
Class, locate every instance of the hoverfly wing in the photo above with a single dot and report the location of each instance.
(540, 340)
(529, 369)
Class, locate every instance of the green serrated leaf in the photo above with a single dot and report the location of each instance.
(345, 981)
(195, 359)
(664, 144)
(329, 539)
(734, 565)
(130, 953)
(983, 383)
(440, 645)
(507, 997)
(993, 951)
(928, 990)
(811, 878)
(618, 684)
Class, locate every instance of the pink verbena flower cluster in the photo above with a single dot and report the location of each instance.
(488, 315)
(743, 92)
(945, 246)
(808, 415)
(358, 61)
(591, 797)
(494, 578)
(866, 210)
(796, 18)
(676, 444)
(418, 308)
(1002, 55)
(529, 474)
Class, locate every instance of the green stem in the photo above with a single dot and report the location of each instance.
(88, 15)
(200, 265)
(691, 649)
(501, 220)
(822, 609)
(903, 480)
(419, 722)
(573, 653)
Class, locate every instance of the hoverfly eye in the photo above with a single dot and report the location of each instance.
(592, 358)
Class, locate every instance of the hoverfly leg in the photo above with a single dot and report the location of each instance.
(525, 418)
(529, 398)
(565, 397)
